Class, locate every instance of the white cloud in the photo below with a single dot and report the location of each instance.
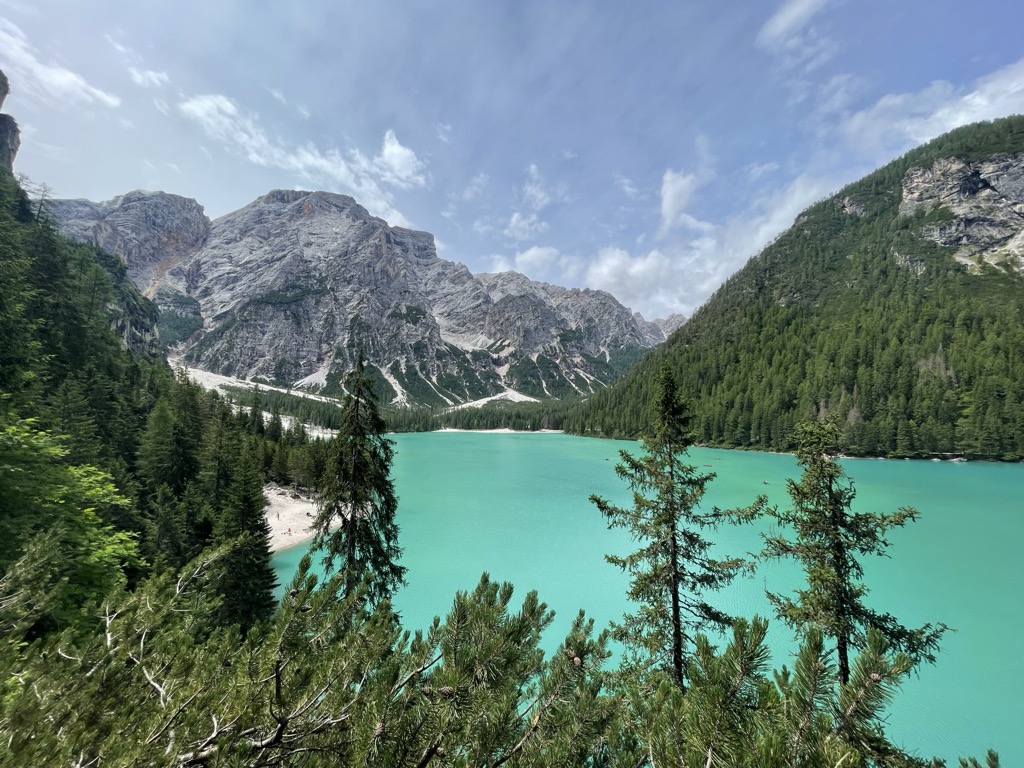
(485, 226)
(536, 260)
(535, 195)
(836, 96)
(122, 49)
(398, 165)
(47, 81)
(278, 95)
(899, 121)
(162, 106)
(540, 262)
(476, 186)
(788, 21)
(648, 282)
(677, 190)
(681, 273)
(395, 165)
(568, 154)
(789, 35)
(756, 170)
(444, 132)
(627, 186)
(148, 78)
(472, 191)
(520, 227)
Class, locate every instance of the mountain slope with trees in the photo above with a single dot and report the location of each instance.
(895, 306)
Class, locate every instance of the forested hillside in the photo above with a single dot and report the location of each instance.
(895, 323)
(113, 465)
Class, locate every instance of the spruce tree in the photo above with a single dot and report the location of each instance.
(830, 540)
(246, 577)
(673, 569)
(355, 523)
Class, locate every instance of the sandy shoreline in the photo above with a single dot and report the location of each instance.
(290, 516)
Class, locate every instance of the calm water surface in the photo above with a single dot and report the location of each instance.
(516, 506)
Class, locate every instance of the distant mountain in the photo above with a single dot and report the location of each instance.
(287, 288)
(895, 306)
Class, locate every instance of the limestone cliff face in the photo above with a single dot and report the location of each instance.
(985, 206)
(151, 231)
(290, 286)
(10, 136)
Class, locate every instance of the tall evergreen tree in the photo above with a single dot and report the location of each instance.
(673, 569)
(245, 576)
(355, 522)
(830, 540)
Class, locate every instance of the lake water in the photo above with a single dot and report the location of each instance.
(516, 505)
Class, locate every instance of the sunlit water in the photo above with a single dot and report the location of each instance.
(516, 506)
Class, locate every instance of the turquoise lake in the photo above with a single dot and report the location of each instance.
(516, 506)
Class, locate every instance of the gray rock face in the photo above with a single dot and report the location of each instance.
(151, 231)
(289, 287)
(10, 136)
(10, 142)
(671, 323)
(985, 203)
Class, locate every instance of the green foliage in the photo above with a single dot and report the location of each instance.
(355, 523)
(829, 542)
(319, 411)
(245, 577)
(673, 569)
(176, 327)
(497, 414)
(855, 317)
(40, 495)
(326, 683)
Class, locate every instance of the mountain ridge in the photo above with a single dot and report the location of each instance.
(286, 288)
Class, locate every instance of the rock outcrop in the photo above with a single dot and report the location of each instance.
(290, 286)
(151, 231)
(10, 136)
(981, 206)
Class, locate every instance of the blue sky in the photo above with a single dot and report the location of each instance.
(648, 149)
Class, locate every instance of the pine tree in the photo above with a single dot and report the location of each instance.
(355, 522)
(829, 542)
(673, 569)
(218, 455)
(246, 577)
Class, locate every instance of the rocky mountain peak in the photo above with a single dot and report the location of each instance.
(288, 287)
(151, 231)
(669, 324)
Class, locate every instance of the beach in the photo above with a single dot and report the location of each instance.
(290, 516)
